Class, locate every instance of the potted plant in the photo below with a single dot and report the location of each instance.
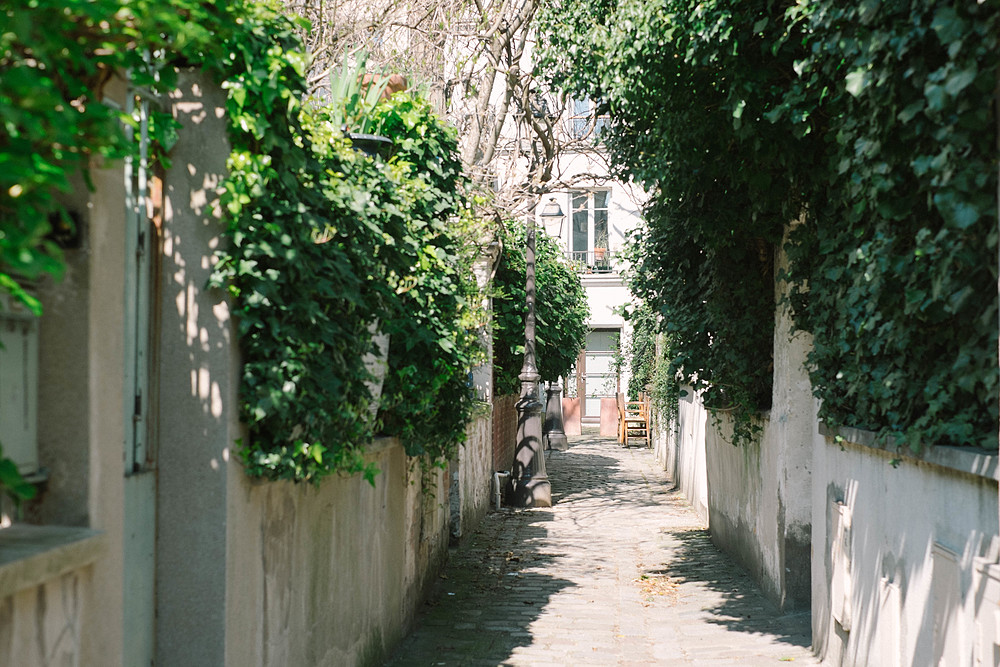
(354, 94)
(600, 246)
(601, 263)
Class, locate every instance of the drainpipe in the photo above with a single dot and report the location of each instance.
(500, 478)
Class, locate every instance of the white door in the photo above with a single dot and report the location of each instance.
(601, 380)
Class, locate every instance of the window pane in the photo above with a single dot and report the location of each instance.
(579, 242)
(601, 198)
(601, 228)
(602, 340)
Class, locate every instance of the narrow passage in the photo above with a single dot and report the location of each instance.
(620, 571)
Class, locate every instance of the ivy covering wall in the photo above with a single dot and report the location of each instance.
(871, 125)
(325, 246)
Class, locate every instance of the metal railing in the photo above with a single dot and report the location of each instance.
(593, 261)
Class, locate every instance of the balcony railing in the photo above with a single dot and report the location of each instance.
(593, 261)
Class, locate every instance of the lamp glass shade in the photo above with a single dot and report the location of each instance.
(552, 210)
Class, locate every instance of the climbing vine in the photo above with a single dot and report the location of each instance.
(329, 247)
(895, 268)
(641, 350)
(325, 248)
(673, 77)
(874, 124)
(652, 366)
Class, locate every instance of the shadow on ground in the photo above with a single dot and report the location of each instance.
(744, 607)
(495, 586)
(482, 606)
(596, 477)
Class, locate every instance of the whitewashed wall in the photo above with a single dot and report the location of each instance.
(680, 448)
(898, 553)
(904, 556)
(758, 493)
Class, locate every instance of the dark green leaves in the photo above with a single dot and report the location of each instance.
(561, 311)
(875, 123)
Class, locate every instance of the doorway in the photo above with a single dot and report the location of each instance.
(595, 376)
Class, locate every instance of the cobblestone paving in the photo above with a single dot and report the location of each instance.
(620, 571)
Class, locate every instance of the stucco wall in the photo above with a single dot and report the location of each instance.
(75, 615)
(331, 574)
(42, 625)
(758, 494)
(472, 474)
(264, 573)
(908, 592)
(48, 598)
(680, 448)
(198, 382)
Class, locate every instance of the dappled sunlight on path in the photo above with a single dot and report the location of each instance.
(619, 571)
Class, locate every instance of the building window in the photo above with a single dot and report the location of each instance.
(589, 231)
(19, 385)
(584, 121)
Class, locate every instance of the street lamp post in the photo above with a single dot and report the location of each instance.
(530, 485)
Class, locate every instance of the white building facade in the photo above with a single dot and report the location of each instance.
(598, 213)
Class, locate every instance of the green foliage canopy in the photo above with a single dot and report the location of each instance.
(561, 311)
(328, 246)
(895, 268)
(874, 124)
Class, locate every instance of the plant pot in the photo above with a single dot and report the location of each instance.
(571, 416)
(372, 145)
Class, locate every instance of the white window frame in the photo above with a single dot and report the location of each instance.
(591, 210)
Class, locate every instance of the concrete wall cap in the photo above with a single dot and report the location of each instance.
(969, 460)
(32, 555)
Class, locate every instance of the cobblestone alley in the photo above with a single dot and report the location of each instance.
(618, 572)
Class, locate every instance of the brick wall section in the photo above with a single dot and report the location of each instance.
(504, 431)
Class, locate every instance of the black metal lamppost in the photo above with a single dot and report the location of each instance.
(530, 485)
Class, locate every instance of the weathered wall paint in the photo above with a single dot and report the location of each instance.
(679, 448)
(899, 563)
(248, 573)
(472, 473)
(198, 382)
(755, 496)
(264, 573)
(80, 435)
(331, 574)
(43, 625)
(759, 508)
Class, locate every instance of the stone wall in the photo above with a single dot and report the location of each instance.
(471, 477)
